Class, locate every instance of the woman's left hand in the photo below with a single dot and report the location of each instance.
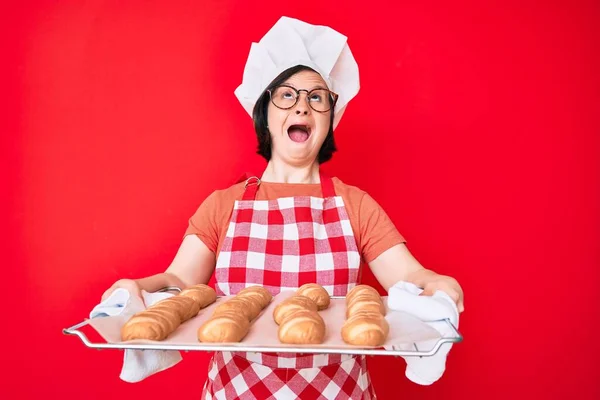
(398, 264)
(447, 285)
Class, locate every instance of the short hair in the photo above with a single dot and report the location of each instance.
(260, 117)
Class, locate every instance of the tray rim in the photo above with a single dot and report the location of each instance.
(358, 350)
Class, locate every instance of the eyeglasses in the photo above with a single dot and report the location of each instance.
(319, 99)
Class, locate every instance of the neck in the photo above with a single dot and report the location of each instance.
(280, 172)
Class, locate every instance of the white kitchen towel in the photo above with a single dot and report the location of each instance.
(137, 364)
(405, 296)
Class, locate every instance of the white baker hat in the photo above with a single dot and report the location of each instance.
(292, 42)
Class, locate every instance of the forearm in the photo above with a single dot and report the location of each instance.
(156, 282)
(398, 264)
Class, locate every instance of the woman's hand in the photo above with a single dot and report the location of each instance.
(128, 284)
(398, 264)
(447, 285)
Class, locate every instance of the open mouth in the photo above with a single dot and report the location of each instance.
(299, 133)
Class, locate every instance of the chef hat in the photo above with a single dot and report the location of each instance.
(292, 42)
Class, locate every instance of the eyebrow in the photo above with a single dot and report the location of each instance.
(311, 89)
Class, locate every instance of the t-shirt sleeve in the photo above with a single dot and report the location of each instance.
(378, 232)
(203, 223)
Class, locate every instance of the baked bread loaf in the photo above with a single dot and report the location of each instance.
(231, 320)
(361, 289)
(364, 301)
(365, 323)
(203, 294)
(262, 295)
(162, 318)
(246, 306)
(302, 326)
(149, 326)
(227, 326)
(316, 293)
(293, 303)
(365, 328)
(298, 316)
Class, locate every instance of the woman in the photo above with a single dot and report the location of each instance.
(292, 224)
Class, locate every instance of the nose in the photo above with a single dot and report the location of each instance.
(302, 107)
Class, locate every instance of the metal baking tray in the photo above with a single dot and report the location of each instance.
(408, 336)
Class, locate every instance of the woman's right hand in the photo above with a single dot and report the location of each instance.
(128, 284)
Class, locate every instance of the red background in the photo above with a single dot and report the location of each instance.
(476, 128)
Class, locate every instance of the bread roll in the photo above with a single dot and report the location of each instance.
(316, 293)
(228, 326)
(149, 326)
(366, 301)
(186, 307)
(365, 323)
(361, 289)
(296, 302)
(302, 326)
(231, 320)
(202, 294)
(365, 329)
(247, 306)
(162, 318)
(139, 327)
(262, 295)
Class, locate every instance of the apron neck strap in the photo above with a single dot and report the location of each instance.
(327, 185)
(253, 182)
